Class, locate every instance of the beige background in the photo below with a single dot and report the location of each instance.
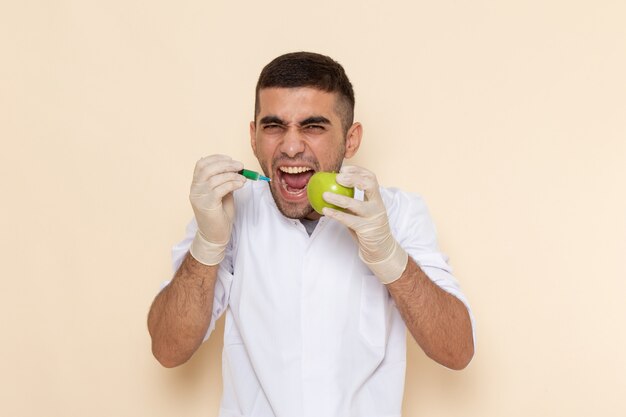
(508, 117)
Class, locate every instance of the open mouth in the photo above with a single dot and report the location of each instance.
(292, 181)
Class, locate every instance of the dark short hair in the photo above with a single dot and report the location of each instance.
(308, 69)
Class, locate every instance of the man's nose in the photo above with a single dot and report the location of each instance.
(293, 143)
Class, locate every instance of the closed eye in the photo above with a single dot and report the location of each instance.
(314, 128)
(272, 128)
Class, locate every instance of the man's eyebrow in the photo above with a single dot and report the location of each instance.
(315, 120)
(271, 120)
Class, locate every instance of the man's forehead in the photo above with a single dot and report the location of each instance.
(299, 100)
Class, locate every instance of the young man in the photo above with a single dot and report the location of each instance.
(317, 307)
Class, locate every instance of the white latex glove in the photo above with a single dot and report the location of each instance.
(214, 180)
(369, 224)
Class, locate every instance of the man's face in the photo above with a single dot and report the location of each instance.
(298, 132)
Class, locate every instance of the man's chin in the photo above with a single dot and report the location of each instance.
(295, 212)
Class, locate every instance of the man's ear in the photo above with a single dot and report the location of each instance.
(253, 136)
(353, 139)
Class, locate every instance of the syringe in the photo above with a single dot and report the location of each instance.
(255, 176)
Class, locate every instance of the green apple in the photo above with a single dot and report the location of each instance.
(321, 182)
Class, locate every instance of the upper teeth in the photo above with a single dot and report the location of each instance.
(294, 170)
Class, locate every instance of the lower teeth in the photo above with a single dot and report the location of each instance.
(291, 190)
(294, 190)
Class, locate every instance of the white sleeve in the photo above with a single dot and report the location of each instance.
(224, 274)
(414, 229)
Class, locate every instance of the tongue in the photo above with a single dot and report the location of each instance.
(297, 180)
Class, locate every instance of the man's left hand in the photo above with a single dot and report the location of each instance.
(368, 222)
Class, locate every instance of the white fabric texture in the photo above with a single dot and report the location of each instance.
(309, 330)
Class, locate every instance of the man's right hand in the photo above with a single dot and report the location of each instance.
(214, 180)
